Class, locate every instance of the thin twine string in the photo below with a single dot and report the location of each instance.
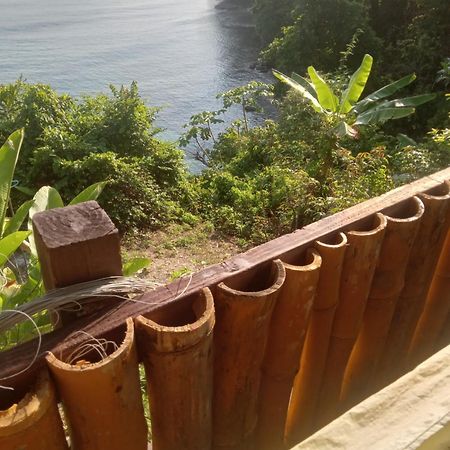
(37, 354)
(100, 346)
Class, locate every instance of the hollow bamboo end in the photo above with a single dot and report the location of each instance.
(410, 210)
(29, 409)
(85, 364)
(335, 241)
(199, 321)
(245, 291)
(311, 262)
(375, 225)
(440, 192)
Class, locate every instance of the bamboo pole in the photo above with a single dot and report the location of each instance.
(102, 400)
(286, 337)
(178, 363)
(359, 266)
(387, 284)
(421, 266)
(437, 308)
(33, 423)
(240, 337)
(307, 383)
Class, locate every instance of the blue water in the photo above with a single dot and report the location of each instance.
(181, 52)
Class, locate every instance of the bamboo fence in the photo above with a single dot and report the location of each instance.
(254, 353)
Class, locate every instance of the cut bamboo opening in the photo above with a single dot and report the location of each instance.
(388, 282)
(436, 310)
(360, 261)
(243, 312)
(284, 347)
(307, 384)
(101, 395)
(422, 263)
(177, 353)
(33, 423)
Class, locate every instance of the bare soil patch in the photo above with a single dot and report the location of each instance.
(179, 250)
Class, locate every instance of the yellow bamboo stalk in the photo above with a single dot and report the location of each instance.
(242, 327)
(179, 368)
(421, 266)
(102, 400)
(386, 286)
(359, 266)
(437, 308)
(33, 423)
(308, 382)
(284, 347)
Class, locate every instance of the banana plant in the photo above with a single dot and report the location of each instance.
(10, 236)
(348, 110)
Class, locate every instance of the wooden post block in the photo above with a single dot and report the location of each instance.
(75, 244)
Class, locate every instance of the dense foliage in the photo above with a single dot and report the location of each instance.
(328, 148)
(284, 174)
(71, 144)
(405, 35)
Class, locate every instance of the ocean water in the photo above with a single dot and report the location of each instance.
(181, 52)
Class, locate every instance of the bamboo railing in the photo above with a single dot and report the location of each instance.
(255, 353)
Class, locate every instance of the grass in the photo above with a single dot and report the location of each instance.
(179, 249)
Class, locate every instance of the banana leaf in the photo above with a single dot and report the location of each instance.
(16, 221)
(305, 83)
(413, 101)
(10, 243)
(325, 95)
(90, 193)
(298, 87)
(383, 114)
(9, 153)
(356, 85)
(384, 92)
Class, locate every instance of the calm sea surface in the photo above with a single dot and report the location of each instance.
(181, 52)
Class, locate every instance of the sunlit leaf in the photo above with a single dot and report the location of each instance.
(16, 221)
(384, 92)
(298, 87)
(380, 115)
(305, 83)
(92, 192)
(9, 153)
(356, 85)
(10, 243)
(134, 265)
(325, 95)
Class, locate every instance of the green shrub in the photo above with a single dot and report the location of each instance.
(71, 144)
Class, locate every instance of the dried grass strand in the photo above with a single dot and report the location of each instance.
(77, 294)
